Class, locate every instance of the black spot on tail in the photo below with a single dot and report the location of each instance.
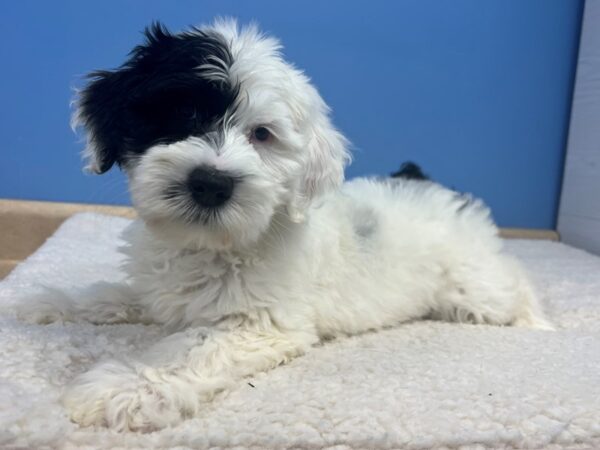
(410, 171)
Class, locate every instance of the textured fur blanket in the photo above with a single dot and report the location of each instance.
(418, 386)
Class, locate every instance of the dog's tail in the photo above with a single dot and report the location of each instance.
(410, 171)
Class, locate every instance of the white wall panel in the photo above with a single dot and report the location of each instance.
(579, 213)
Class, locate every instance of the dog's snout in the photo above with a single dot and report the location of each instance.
(210, 187)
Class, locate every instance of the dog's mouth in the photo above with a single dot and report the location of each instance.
(203, 207)
(183, 207)
(202, 198)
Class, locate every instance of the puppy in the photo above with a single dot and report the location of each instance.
(250, 249)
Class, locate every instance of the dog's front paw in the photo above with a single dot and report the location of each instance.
(115, 396)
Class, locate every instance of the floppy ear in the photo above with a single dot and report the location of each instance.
(326, 156)
(98, 111)
(101, 107)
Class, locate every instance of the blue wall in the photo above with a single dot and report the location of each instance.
(478, 92)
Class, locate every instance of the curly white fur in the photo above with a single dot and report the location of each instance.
(294, 259)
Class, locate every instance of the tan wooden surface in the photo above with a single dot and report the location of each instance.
(25, 225)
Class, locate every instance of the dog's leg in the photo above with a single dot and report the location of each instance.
(493, 290)
(177, 376)
(101, 303)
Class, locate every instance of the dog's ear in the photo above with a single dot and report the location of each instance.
(326, 156)
(102, 107)
(99, 113)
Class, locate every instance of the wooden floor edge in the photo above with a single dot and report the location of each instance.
(57, 209)
(529, 233)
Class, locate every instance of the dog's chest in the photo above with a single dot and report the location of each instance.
(201, 287)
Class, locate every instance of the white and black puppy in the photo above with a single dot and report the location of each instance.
(249, 248)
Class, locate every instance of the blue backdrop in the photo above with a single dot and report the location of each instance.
(477, 92)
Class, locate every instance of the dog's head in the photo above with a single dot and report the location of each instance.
(216, 132)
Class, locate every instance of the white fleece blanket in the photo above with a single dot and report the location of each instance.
(418, 386)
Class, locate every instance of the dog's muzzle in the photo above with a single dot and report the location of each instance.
(209, 187)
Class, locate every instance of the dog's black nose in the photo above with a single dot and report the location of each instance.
(210, 187)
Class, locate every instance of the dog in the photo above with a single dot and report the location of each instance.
(250, 249)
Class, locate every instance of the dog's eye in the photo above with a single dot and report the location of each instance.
(186, 111)
(261, 134)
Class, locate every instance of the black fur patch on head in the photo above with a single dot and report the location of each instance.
(410, 171)
(172, 86)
